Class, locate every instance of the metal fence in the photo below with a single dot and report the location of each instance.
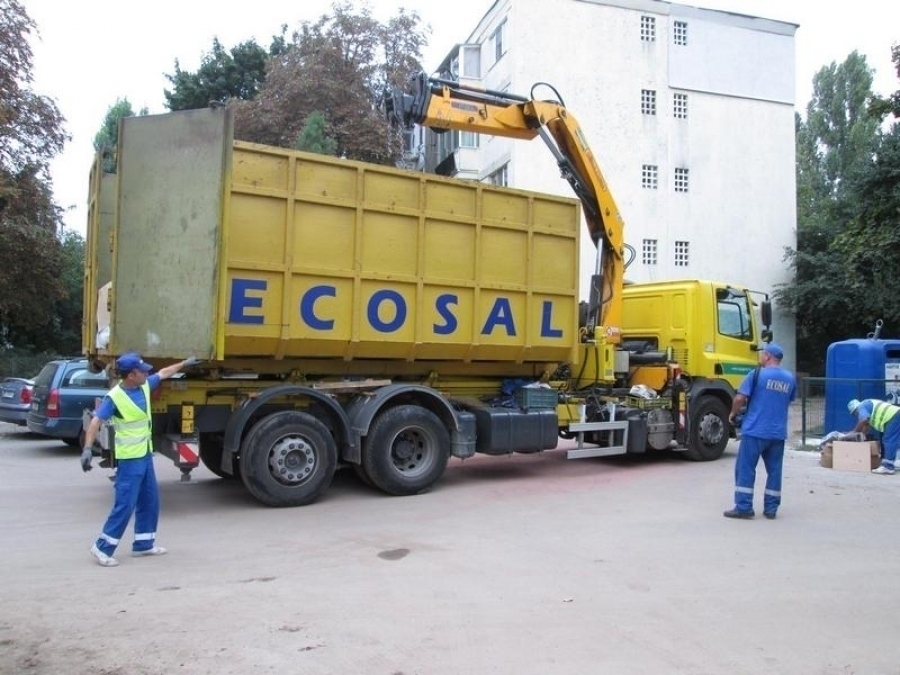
(813, 402)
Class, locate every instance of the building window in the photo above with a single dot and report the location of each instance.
(471, 61)
(409, 141)
(680, 33)
(681, 253)
(650, 176)
(648, 101)
(468, 139)
(648, 29)
(453, 140)
(681, 180)
(497, 39)
(499, 177)
(649, 250)
(680, 106)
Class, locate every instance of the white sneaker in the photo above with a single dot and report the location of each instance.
(102, 559)
(884, 471)
(156, 550)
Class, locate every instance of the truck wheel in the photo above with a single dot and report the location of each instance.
(211, 448)
(288, 459)
(406, 450)
(709, 430)
(360, 472)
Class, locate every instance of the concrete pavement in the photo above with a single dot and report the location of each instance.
(514, 565)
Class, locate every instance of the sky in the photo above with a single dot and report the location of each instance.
(91, 52)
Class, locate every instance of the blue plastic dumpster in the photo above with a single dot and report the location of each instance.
(858, 368)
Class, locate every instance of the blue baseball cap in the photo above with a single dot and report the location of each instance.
(773, 350)
(132, 361)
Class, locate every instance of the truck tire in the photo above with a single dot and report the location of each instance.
(360, 472)
(406, 450)
(288, 459)
(709, 430)
(211, 448)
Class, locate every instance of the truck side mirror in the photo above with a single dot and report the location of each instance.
(765, 311)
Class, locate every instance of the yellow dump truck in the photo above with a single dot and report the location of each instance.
(356, 315)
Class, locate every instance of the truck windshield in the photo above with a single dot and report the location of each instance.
(733, 313)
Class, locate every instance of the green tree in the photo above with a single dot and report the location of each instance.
(106, 141)
(839, 147)
(222, 75)
(68, 310)
(338, 66)
(314, 136)
(31, 134)
(869, 246)
(881, 107)
(839, 120)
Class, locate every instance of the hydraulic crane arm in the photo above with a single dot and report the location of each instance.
(443, 104)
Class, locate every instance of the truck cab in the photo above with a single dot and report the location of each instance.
(711, 328)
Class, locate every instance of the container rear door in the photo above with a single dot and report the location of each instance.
(168, 234)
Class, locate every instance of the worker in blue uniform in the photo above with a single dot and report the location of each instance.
(127, 407)
(767, 394)
(883, 418)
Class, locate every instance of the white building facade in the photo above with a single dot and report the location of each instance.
(689, 112)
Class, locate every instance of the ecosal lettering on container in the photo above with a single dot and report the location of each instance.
(246, 296)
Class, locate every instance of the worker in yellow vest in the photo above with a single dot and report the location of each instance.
(127, 407)
(883, 418)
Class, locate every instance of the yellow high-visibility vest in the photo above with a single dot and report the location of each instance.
(881, 415)
(133, 428)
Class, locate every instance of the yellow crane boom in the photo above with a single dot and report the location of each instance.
(443, 104)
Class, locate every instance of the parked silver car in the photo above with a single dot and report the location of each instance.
(15, 399)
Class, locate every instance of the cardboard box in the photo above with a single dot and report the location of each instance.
(856, 456)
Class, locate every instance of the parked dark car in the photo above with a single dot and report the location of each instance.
(62, 391)
(15, 399)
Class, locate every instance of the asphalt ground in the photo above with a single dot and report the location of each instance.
(528, 564)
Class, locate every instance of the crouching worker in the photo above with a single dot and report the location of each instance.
(127, 407)
(883, 418)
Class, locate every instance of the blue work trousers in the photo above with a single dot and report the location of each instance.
(772, 453)
(890, 442)
(136, 493)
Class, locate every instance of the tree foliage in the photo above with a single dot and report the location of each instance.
(339, 67)
(68, 309)
(881, 107)
(47, 299)
(839, 120)
(222, 75)
(848, 206)
(31, 135)
(31, 126)
(869, 246)
(314, 137)
(106, 141)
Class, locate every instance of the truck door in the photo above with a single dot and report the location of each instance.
(735, 335)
